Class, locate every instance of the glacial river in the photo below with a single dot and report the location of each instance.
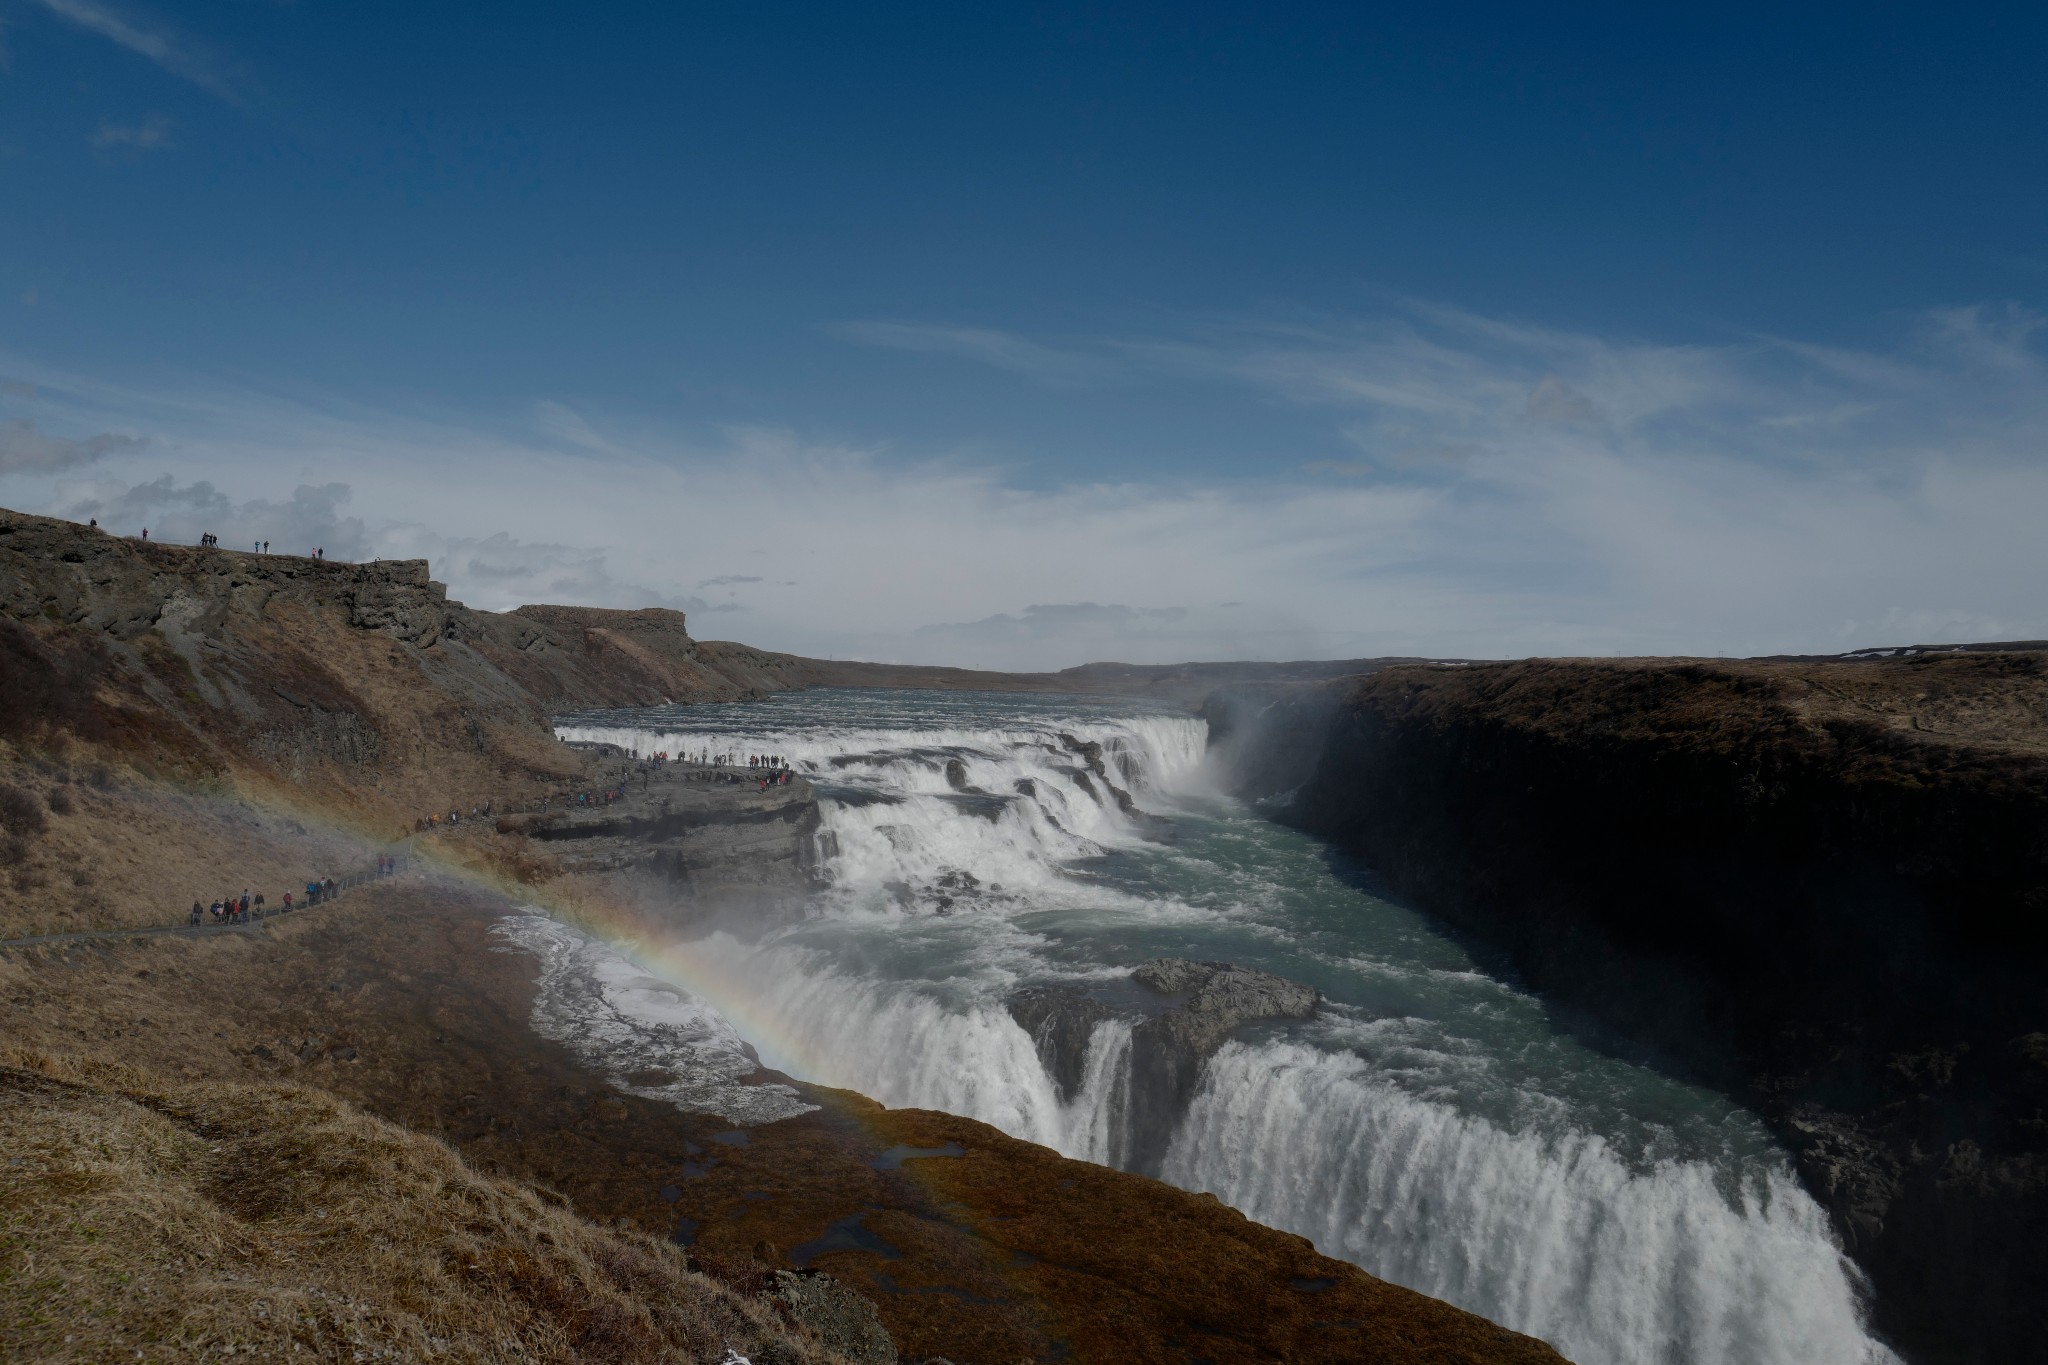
(1433, 1125)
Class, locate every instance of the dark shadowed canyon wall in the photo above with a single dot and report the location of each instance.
(1819, 885)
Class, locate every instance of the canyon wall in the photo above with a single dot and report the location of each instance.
(1821, 885)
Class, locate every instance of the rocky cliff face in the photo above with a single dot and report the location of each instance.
(1820, 885)
(217, 699)
(708, 850)
(357, 693)
(1190, 1010)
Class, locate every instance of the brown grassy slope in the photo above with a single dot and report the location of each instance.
(145, 1220)
(403, 1002)
(1991, 702)
(139, 853)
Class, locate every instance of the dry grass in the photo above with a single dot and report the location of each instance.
(203, 1222)
(127, 851)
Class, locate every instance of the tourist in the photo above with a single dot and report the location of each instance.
(198, 912)
(287, 900)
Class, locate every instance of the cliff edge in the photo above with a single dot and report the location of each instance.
(1821, 885)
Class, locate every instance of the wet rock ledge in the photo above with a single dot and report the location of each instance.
(738, 853)
(1188, 1010)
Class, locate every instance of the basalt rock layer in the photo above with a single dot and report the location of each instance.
(708, 847)
(1819, 884)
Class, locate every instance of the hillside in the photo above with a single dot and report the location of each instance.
(337, 1132)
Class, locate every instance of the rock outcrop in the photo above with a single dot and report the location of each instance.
(1196, 1007)
(1821, 885)
(1061, 1021)
(842, 1321)
(712, 850)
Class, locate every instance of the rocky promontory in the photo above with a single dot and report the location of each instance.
(1194, 1007)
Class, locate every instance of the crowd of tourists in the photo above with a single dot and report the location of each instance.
(768, 770)
(208, 540)
(242, 909)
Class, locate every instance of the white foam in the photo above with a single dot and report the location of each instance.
(623, 1022)
(1554, 1235)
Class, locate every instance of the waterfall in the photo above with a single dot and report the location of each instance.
(1553, 1234)
(975, 845)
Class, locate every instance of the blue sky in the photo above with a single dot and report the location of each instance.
(1026, 335)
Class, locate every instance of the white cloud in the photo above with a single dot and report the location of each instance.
(172, 54)
(1515, 491)
(312, 517)
(151, 133)
(25, 449)
(1057, 365)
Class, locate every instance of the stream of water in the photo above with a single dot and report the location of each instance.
(1432, 1124)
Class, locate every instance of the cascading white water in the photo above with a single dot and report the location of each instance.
(1556, 1234)
(1432, 1128)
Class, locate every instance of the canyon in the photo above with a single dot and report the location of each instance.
(1815, 885)
(311, 1092)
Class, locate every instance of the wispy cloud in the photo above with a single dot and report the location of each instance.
(173, 54)
(1038, 360)
(26, 449)
(1502, 489)
(151, 133)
